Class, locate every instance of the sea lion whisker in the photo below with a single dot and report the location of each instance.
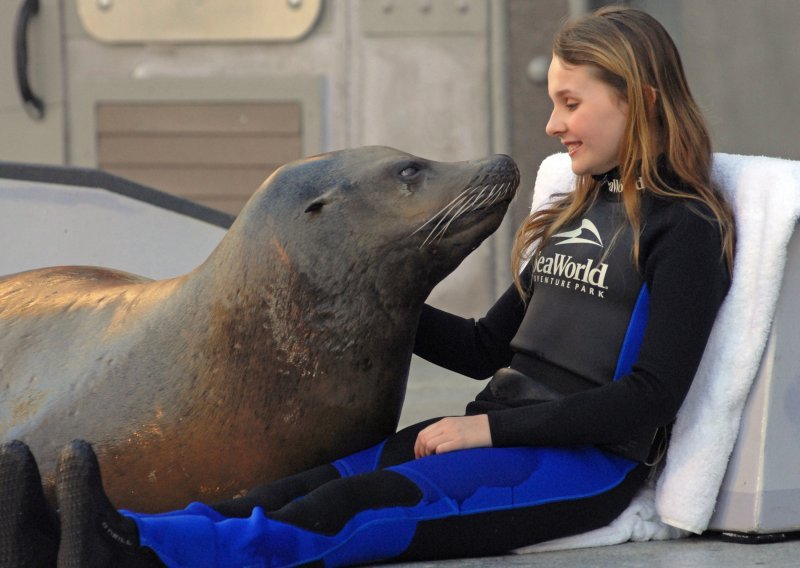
(435, 231)
(469, 205)
(443, 211)
(498, 192)
(488, 199)
(473, 197)
(479, 201)
(442, 217)
(458, 202)
(443, 214)
(476, 202)
(441, 232)
(463, 209)
(440, 229)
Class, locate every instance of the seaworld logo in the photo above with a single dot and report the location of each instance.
(564, 267)
(580, 236)
(587, 277)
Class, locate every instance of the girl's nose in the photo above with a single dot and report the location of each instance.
(555, 126)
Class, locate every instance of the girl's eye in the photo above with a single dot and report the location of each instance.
(408, 171)
(571, 106)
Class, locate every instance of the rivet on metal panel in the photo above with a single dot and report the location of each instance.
(462, 5)
(295, 4)
(425, 6)
(388, 6)
(105, 4)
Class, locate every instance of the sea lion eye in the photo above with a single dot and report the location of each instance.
(409, 171)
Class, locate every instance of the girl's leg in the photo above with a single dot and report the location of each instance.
(472, 502)
(114, 540)
(481, 501)
(300, 532)
(493, 533)
(272, 496)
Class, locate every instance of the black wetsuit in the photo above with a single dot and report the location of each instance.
(602, 356)
(570, 336)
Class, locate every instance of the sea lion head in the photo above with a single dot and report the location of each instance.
(381, 215)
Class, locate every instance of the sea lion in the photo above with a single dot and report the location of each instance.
(288, 347)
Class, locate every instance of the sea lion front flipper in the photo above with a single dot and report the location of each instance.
(93, 533)
(28, 526)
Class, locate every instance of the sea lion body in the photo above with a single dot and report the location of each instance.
(288, 347)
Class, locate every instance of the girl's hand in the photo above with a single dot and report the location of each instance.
(454, 433)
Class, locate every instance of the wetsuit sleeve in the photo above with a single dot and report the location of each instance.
(469, 347)
(688, 280)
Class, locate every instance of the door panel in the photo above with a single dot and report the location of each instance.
(24, 138)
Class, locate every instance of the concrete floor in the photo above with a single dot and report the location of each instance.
(698, 552)
(435, 392)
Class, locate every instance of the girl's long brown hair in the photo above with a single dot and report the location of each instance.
(630, 51)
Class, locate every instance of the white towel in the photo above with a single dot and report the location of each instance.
(765, 196)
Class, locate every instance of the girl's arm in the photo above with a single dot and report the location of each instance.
(472, 348)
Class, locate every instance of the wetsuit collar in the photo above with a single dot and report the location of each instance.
(609, 182)
(613, 173)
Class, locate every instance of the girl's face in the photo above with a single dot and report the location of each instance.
(588, 116)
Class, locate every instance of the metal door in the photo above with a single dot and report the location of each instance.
(31, 68)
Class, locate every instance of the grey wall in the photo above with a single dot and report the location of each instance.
(530, 32)
(742, 59)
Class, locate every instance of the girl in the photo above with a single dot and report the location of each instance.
(596, 344)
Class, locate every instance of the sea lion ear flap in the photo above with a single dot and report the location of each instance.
(316, 204)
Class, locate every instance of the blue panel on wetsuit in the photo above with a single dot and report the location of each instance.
(479, 479)
(488, 499)
(360, 462)
(634, 335)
